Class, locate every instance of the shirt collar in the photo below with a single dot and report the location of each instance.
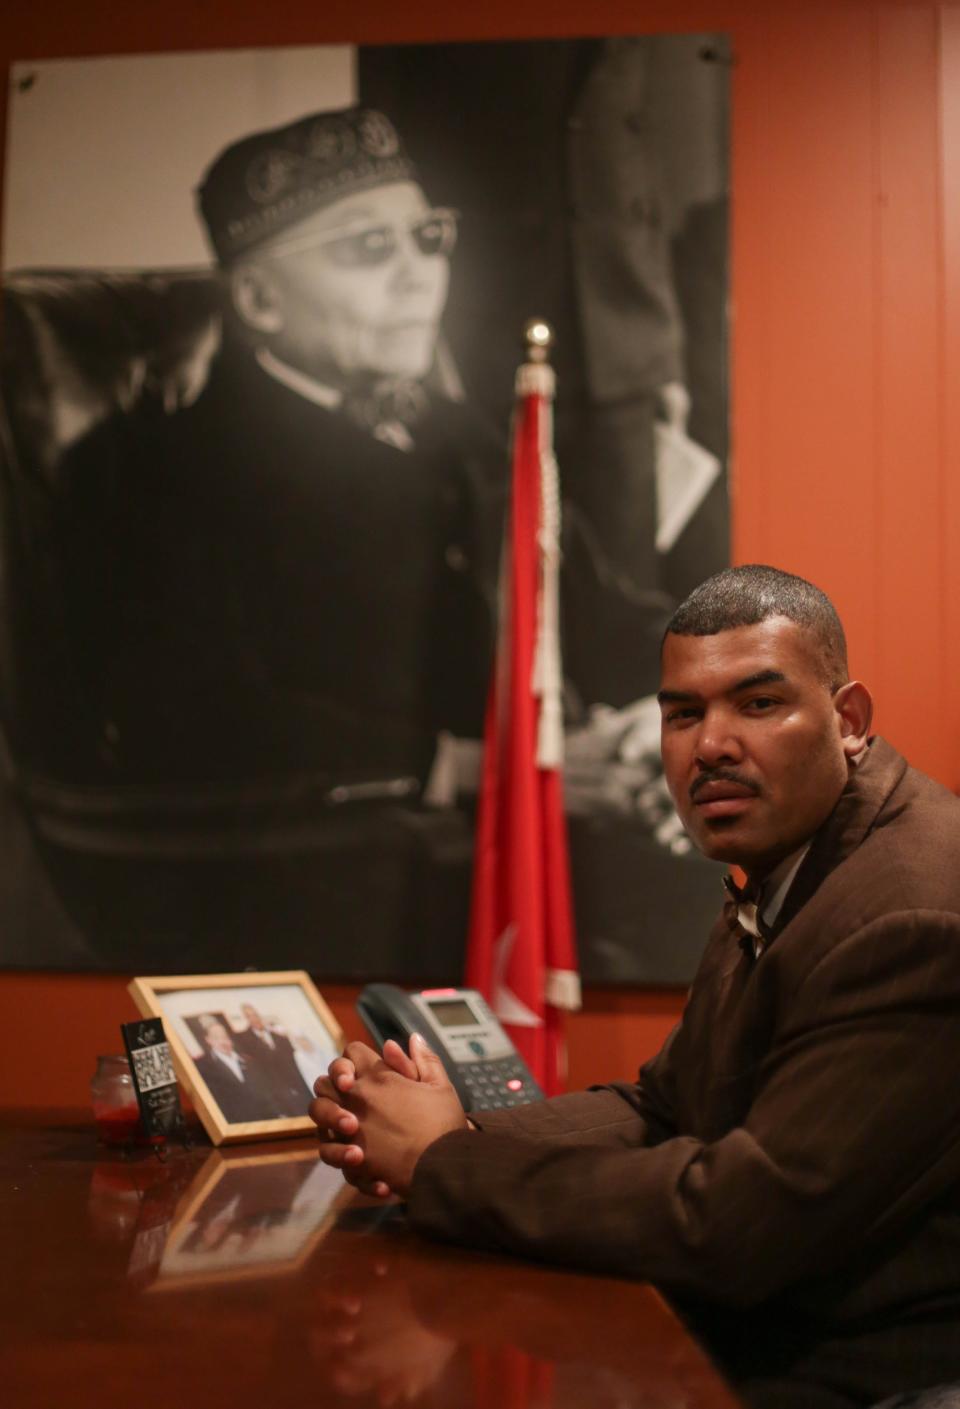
(759, 917)
(318, 392)
(391, 432)
(773, 891)
(231, 1060)
(758, 914)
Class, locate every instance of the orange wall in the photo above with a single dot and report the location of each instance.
(846, 336)
(53, 1026)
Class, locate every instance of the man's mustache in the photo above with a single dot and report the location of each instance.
(722, 775)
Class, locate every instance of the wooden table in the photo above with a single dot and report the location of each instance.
(255, 1277)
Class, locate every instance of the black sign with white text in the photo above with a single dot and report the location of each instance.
(154, 1079)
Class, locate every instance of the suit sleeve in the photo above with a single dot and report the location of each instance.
(600, 1116)
(623, 1114)
(854, 1127)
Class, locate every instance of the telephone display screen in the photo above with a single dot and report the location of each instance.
(454, 1013)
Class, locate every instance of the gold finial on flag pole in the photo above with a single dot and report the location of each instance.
(535, 376)
(538, 339)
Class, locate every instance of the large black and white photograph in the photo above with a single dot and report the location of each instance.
(262, 313)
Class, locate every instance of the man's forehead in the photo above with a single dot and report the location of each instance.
(723, 659)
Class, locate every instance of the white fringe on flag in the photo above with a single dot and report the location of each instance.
(538, 379)
(562, 989)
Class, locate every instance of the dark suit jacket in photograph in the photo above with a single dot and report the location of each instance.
(250, 1099)
(278, 1068)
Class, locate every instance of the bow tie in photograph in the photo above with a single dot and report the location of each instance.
(389, 402)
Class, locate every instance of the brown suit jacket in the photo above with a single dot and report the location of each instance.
(797, 1140)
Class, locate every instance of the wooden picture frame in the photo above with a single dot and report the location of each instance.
(247, 1047)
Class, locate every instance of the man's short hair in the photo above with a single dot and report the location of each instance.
(745, 596)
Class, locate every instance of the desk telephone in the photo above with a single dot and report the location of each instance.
(481, 1061)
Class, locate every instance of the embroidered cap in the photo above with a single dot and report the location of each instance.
(265, 183)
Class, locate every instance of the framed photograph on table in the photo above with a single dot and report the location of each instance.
(247, 1047)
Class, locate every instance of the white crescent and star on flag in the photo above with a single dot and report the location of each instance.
(507, 1006)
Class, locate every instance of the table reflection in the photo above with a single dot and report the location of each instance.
(406, 1322)
(370, 1314)
(247, 1214)
(265, 1250)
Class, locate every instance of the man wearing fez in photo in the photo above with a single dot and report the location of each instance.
(338, 271)
(296, 571)
(281, 577)
(788, 1166)
(289, 583)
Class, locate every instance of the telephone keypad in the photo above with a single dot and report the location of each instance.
(496, 1085)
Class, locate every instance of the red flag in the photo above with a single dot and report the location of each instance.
(521, 952)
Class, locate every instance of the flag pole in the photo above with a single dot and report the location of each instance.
(521, 951)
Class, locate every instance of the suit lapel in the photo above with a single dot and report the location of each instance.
(855, 815)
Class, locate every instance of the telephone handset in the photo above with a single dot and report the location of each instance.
(486, 1070)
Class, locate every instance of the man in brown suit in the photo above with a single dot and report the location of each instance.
(794, 1149)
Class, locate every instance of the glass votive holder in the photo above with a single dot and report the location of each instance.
(115, 1108)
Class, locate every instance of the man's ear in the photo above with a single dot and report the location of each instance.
(256, 298)
(854, 705)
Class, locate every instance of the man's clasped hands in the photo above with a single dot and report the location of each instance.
(377, 1115)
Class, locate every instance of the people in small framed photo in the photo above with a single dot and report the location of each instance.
(247, 1047)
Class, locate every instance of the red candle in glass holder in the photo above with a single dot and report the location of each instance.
(115, 1108)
